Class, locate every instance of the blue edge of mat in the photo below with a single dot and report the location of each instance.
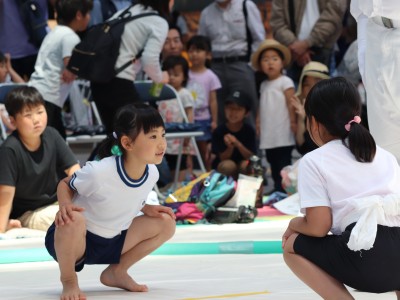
(9, 256)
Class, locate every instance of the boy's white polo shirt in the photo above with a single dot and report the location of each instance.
(111, 198)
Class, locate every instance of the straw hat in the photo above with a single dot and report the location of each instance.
(270, 44)
(313, 69)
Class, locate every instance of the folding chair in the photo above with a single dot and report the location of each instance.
(169, 93)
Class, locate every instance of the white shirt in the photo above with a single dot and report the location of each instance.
(110, 197)
(372, 8)
(46, 78)
(147, 34)
(362, 10)
(310, 17)
(227, 30)
(274, 114)
(330, 176)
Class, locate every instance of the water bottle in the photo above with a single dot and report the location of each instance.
(155, 89)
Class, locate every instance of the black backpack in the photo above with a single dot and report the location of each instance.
(95, 56)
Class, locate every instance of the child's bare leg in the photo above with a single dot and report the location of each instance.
(144, 236)
(398, 295)
(70, 242)
(321, 282)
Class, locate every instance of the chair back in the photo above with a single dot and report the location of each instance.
(5, 88)
(167, 93)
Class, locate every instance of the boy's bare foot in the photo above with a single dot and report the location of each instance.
(71, 290)
(111, 277)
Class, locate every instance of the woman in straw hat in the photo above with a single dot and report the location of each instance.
(276, 118)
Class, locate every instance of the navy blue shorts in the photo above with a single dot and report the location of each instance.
(376, 270)
(98, 250)
(205, 126)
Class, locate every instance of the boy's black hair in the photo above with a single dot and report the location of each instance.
(239, 98)
(333, 103)
(67, 9)
(177, 60)
(161, 6)
(200, 42)
(2, 57)
(21, 97)
(130, 120)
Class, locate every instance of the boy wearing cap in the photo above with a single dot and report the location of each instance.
(312, 73)
(234, 141)
(276, 119)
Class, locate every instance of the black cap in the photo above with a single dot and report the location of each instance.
(240, 98)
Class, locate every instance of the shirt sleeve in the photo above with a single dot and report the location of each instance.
(311, 184)
(85, 181)
(255, 23)
(287, 83)
(215, 82)
(151, 53)
(9, 168)
(217, 141)
(68, 43)
(186, 98)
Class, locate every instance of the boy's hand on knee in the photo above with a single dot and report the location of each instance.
(157, 210)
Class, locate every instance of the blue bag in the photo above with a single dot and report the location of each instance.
(212, 192)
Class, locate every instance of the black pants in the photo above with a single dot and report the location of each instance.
(278, 158)
(111, 96)
(24, 66)
(54, 118)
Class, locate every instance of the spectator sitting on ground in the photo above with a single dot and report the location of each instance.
(234, 141)
(312, 73)
(51, 78)
(31, 159)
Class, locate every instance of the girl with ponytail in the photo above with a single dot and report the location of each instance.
(349, 187)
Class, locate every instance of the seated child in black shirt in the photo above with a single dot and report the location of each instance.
(234, 141)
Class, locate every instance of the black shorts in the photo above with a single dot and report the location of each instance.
(376, 270)
(98, 250)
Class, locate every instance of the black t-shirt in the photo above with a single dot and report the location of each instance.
(246, 135)
(34, 174)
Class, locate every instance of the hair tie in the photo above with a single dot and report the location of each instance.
(356, 119)
(116, 150)
(115, 135)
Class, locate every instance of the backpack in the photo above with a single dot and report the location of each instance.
(95, 56)
(212, 192)
(34, 20)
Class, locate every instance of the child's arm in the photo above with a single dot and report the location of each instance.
(157, 210)
(289, 93)
(301, 126)
(190, 115)
(246, 153)
(317, 222)
(64, 196)
(6, 199)
(14, 75)
(66, 75)
(213, 109)
(72, 170)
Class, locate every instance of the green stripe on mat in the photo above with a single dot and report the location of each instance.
(245, 247)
